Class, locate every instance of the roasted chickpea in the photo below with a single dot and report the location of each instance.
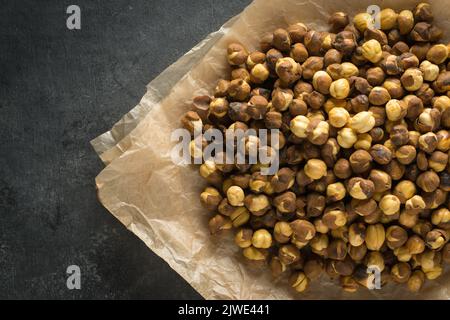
(371, 50)
(390, 204)
(338, 117)
(237, 54)
(347, 138)
(340, 89)
(315, 169)
(362, 122)
(379, 96)
(395, 110)
(412, 79)
(360, 188)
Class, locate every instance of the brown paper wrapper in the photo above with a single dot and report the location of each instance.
(158, 200)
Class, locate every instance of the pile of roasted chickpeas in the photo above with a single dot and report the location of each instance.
(363, 117)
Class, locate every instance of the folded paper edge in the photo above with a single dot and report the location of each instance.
(157, 89)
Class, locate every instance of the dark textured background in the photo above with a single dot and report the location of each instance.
(58, 90)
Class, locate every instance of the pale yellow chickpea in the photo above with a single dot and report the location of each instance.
(347, 137)
(338, 117)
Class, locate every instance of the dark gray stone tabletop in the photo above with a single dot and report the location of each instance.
(59, 89)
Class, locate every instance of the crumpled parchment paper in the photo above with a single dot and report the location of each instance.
(159, 201)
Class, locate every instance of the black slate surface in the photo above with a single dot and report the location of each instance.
(59, 89)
